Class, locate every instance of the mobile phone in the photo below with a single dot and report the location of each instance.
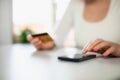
(77, 57)
(44, 37)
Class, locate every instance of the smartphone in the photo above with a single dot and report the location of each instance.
(77, 57)
(44, 37)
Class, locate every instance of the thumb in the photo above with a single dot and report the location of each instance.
(29, 38)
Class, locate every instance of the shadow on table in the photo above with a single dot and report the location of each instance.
(41, 54)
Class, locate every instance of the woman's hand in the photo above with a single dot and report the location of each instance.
(39, 45)
(104, 47)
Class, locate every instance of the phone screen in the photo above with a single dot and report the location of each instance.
(74, 56)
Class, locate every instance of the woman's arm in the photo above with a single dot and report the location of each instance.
(59, 33)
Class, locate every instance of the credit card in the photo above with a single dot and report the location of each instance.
(44, 37)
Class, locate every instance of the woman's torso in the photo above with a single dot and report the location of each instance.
(107, 29)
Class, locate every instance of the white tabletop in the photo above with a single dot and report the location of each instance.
(23, 62)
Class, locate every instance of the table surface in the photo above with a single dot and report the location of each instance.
(23, 62)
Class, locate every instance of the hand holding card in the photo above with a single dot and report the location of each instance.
(42, 41)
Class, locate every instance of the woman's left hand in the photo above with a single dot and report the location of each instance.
(104, 47)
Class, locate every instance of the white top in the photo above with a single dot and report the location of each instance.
(107, 29)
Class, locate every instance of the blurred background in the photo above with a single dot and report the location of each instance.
(18, 18)
(21, 17)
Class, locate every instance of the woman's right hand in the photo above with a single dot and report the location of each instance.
(39, 45)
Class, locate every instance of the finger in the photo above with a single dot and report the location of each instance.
(90, 46)
(39, 47)
(101, 46)
(96, 42)
(48, 45)
(85, 47)
(109, 51)
(39, 43)
(34, 41)
(45, 46)
(29, 38)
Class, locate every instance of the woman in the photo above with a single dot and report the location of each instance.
(95, 21)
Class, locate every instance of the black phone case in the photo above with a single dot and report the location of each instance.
(63, 58)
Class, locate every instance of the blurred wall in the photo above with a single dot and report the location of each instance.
(5, 22)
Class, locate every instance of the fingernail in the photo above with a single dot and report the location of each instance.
(83, 51)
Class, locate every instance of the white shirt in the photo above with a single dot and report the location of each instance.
(107, 29)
